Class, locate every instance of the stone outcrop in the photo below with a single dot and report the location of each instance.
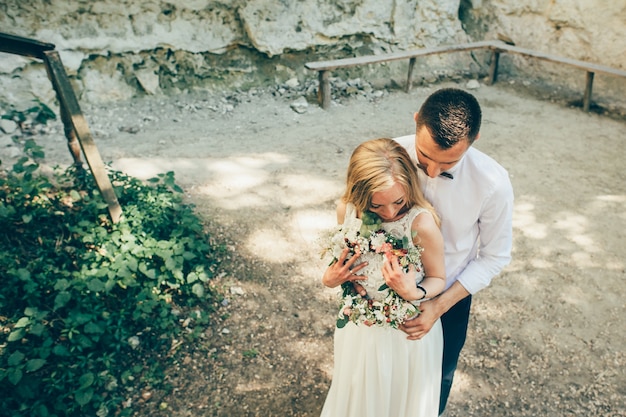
(114, 49)
(586, 30)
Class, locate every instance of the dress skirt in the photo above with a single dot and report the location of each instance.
(379, 373)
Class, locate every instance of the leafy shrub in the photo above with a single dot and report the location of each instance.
(39, 113)
(90, 309)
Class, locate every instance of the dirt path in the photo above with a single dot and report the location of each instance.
(546, 338)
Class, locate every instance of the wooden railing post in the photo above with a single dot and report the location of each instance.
(70, 134)
(74, 123)
(493, 67)
(588, 88)
(323, 91)
(70, 110)
(409, 78)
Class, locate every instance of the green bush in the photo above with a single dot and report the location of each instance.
(89, 309)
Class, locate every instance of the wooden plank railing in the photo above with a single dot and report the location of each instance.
(75, 126)
(324, 67)
(496, 47)
(590, 68)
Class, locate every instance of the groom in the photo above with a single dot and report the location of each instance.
(473, 195)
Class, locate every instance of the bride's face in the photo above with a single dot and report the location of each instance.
(389, 205)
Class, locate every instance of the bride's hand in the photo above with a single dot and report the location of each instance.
(401, 282)
(344, 270)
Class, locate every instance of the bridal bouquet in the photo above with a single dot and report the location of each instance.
(367, 236)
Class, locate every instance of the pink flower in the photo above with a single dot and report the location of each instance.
(384, 248)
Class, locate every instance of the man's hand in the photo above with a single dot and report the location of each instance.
(419, 326)
(432, 310)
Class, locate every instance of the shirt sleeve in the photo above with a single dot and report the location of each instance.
(496, 239)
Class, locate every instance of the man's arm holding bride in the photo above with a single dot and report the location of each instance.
(430, 310)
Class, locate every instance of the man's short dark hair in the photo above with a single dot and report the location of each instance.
(451, 115)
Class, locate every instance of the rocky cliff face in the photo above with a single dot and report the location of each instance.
(115, 49)
(586, 30)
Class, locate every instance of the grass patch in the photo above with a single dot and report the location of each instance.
(90, 310)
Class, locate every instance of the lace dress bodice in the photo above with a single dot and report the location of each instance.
(399, 228)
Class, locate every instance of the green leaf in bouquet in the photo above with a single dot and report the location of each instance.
(341, 322)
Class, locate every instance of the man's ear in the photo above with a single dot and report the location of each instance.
(477, 137)
(415, 116)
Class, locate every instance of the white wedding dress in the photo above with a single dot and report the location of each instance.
(377, 371)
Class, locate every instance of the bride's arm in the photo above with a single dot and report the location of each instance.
(428, 236)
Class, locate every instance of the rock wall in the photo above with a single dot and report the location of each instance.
(115, 49)
(586, 30)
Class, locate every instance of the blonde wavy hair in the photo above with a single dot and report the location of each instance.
(376, 165)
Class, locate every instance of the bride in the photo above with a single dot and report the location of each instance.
(388, 240)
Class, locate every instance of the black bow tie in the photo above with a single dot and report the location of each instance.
(447, 175)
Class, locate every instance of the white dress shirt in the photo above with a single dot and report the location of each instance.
(476, 210)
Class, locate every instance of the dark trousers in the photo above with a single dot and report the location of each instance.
(454, 323)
